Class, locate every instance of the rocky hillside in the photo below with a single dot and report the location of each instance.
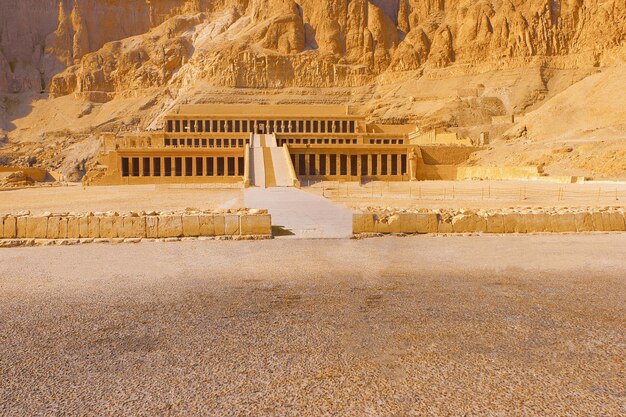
(72, 67)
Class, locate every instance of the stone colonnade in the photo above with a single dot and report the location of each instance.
(265, 125)
(358, 164)
(182, 166)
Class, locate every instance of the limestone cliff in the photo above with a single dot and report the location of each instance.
(280, 43)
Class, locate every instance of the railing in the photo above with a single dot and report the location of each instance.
(530, 193)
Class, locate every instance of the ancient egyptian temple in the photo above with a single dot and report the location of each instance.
(260, 145)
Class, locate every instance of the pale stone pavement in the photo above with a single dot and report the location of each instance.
(302, 214)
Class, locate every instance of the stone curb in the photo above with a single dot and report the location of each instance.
(14, 243)
(131, 227)
(490, 223)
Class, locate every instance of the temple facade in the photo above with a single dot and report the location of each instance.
(266, 145)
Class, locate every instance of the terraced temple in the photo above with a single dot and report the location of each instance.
(270, 145)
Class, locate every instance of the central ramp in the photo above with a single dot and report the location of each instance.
(271, 165)
(301, 215)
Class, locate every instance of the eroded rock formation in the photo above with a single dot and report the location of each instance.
(83, 45)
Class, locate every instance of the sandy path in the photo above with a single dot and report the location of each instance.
(490, 325)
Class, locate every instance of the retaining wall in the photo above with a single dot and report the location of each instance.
(133, 226)
(610, 220)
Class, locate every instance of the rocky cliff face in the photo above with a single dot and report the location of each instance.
(92, 45)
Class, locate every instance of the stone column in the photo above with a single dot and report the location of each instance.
(306, 164)
(412, 162)
(317, 166)
(359, 165)
(297, 167)
(349, 165)
(194, 166)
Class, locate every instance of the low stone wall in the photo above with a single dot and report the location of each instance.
(527, 173)
(379, 221)
(69, 228)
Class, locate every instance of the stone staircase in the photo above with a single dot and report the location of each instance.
(270, 165)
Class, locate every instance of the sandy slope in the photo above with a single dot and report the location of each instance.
(579, 131)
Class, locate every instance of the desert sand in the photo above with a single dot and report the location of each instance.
(492, 325)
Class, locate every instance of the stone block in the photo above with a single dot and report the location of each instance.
(22, 231)
(108, 227)
(361, 223)
(538, 222)
(94, 227)
(152, 227)
(391, 224)
(10, 227)
(472, 223)
(598, 221)
(408, 222)
(427, 223)
(36, 227)
(231, 225)
(207, 225)
(584, 222)
(495, 223)
(260, 224)
(563, 223)
(170, 226)
(514, 223)
(54, 224)
(73, 227)
(219, 223)
(445, 226)
(191, 226)
(133, 227)
(83, 227)
(63, 228)
(381, 226)
(613, 221)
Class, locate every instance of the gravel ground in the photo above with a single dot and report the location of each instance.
(486, 325)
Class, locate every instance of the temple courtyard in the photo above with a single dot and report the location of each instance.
(429, 194)
(456, 325)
